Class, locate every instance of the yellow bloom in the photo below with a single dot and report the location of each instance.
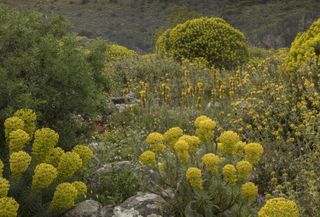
(253, 152)
(158, 147)
(81, 189)
(244, 169)
(148, 158)
(238, 150)
(172, 135)
(279, 207)
(44, 140)
(70, 163)
(11, 124)
(154, 138)
(200, 119)
(4, 187)
(192, 141)
(53, 156)
(19, 163)
(64, 197)
(8, 207)
(229, 174)
(182, 150)
(249, 191)
(29, 118)
(18, 140)
(204, 128)
(84, 152)
(44, 174)
(211, 161)
(194, 177)
(229, 139)
(1, 168)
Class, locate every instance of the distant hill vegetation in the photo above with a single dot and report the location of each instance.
(135, 23)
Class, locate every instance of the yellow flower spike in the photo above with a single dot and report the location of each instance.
(249, 191)
(205, 129)
(8, 207)
(4, 187)
(81, 189)
(53, 156)
(18, 140)
(11, 124)
(44, 140)
(229, 174)
(253, 152)
(1, 168)
(29, 117)
(148, 158)
(212, 162)
(172, 135)
(279, 207)
(44, 175)
(19, 163)
(244, 169)
(229, 139)
(64, 197)
(85, 153)
(70, 163)
(194, 177)
(182, 150)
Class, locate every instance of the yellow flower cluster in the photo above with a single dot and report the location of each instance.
(204, 127)
(193, 142)
(212, 162)
(11, 124)
(194, 177)
(244, 169)
(19, 163)
(148, 158)
(53, 156)
(279, 207)
(4, 187)
(44, 175)
(182, 150)
(155, 140)
(70, 163)
(8, 207)
(249, 191)
(64, 197)
(84, 152)
(29, 118)
(118, 52)
(228, 140)
(18, 140)
(44, 140)
(81, 189)
(229, 174)
(1, 168)
(172, 135)
(253, 152)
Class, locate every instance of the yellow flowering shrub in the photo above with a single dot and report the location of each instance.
(64, 197)
(196, 169)
(253, 152)
(4, 187)
(44, 175)
(279, 207)
(18, 139)
(70, 163)
(36, 166)
(117, 52)
(8, 207)
(84, 152)
(213, 39)
(19, 163)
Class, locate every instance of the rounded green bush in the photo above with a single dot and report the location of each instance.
(210, 38)
(305, 48)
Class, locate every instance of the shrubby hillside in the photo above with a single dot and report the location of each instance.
(133, 23)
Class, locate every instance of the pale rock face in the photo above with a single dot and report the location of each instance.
(87, 208)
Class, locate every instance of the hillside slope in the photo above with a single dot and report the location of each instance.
(266, 23)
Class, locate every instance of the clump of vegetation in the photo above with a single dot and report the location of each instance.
(38, 177)
(118, 52)
(212, 39)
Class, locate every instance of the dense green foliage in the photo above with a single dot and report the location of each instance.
(212, 39)
(43, 68)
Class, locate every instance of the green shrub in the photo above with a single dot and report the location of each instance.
(45, 69)
(31, 181)
(118, 52)
(210, 38)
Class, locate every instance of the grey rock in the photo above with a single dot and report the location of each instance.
(107, 211)
(87, 208)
